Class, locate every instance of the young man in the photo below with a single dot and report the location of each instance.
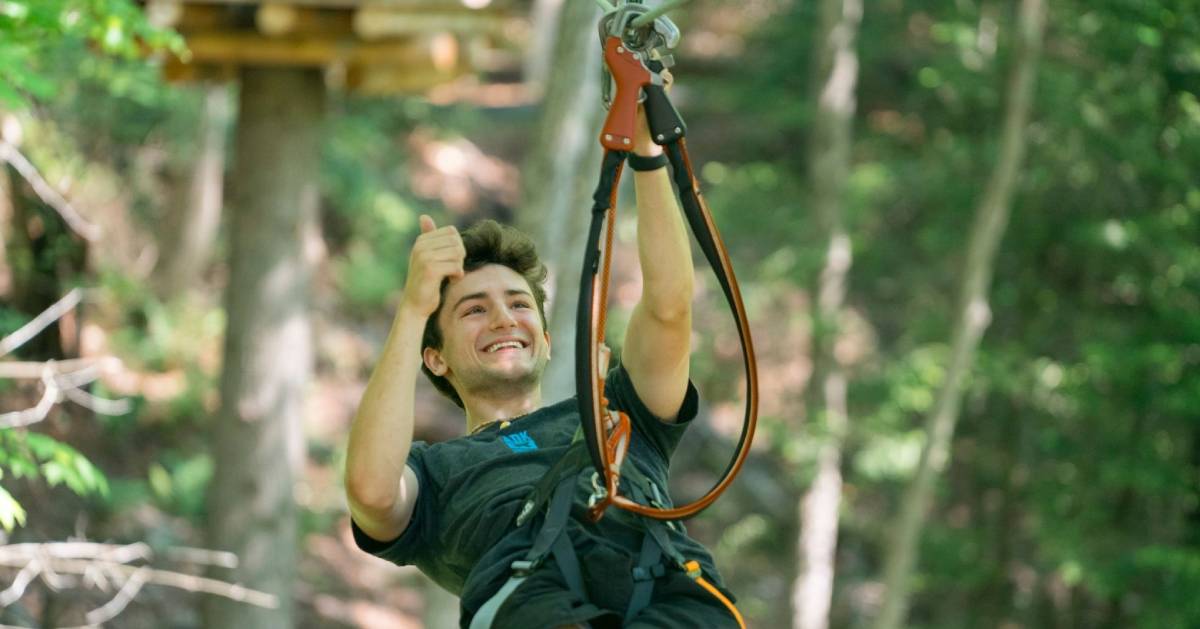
(472, 318)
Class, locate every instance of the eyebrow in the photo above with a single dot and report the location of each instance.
(481, 295)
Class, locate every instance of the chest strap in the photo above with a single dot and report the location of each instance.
(557, 488)
(550, 539)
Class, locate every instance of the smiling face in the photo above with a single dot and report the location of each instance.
(494, 341)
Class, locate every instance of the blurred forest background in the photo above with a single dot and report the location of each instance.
(966, 233)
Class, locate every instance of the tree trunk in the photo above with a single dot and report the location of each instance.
(559, 176)
(7, 228)
(190, 246)
(829, 159)
(544, 17)
(258, 445)
(991, 218)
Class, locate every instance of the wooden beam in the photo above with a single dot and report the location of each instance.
(176, 71)
(409, 5)
(247, 48)
(277, 19)
(372, 23)
(280, 18)
(378, 79)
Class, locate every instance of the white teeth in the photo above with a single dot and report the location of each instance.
(500, 346)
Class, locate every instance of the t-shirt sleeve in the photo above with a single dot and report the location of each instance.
(418, 539)
(662, 435)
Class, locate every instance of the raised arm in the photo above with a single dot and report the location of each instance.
(657, 345)
(380, 488)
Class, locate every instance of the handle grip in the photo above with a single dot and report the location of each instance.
(666, 125)
(630, 76)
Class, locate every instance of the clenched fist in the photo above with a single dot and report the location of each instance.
(437, 254)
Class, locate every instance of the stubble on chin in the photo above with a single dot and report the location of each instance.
(493, 384)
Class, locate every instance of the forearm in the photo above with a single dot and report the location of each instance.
(663, 247)
(382, 432)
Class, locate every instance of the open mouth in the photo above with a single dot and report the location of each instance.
(501, 346)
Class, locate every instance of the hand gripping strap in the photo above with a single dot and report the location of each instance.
(645, 164)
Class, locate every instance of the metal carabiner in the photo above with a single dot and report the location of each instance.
(651, 41)
(599, 492)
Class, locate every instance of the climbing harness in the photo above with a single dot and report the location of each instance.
(637, 42)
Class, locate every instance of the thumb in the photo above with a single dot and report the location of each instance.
(427, 224)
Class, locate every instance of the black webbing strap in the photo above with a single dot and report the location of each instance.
(568, 565)
(554, 525)
(655, 543)
(610, 171)
(706, 238)
(587, 313)
(551, 538)
(649, 567)
(568, 464)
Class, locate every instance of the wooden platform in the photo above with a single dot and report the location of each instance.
(373, 46)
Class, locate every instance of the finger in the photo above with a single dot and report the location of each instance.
(444, 266)
(444, 270)
(441, 266)
(447, 257)
(427, 224)
(442, 246)
(443, 237)
(448, 231)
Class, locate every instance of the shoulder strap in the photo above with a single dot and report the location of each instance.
(550, 538)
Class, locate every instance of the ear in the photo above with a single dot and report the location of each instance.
(433, 360)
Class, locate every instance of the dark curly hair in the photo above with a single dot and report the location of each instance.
(488, 242)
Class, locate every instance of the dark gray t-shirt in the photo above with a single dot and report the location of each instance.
(463, 531)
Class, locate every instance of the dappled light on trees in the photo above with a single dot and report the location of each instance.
(1058, 483)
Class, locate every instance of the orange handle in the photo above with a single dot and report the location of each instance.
(630, 75)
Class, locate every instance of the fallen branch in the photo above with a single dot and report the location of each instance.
(39, 411)
(78, 224)
(58, 386)
(107, 566)
(60, 380)
(39, 323)
(32, 370)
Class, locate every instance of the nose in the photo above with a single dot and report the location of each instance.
(502, 318)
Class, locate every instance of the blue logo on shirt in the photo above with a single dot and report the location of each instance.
(519, 442)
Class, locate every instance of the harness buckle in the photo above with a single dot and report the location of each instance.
(657, 571)
(523, 568)
(526, 511)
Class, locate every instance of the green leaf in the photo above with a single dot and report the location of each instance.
(11, 511)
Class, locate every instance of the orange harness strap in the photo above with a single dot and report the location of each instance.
(693, 571)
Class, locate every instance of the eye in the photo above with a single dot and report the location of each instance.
(522, 304)
(473, 310)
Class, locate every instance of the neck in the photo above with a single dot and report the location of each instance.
(482, 409)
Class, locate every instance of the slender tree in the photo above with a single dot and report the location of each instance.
(559, 175)
(836, 74)
(974, 314)
(191, 243)
(258, 444)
